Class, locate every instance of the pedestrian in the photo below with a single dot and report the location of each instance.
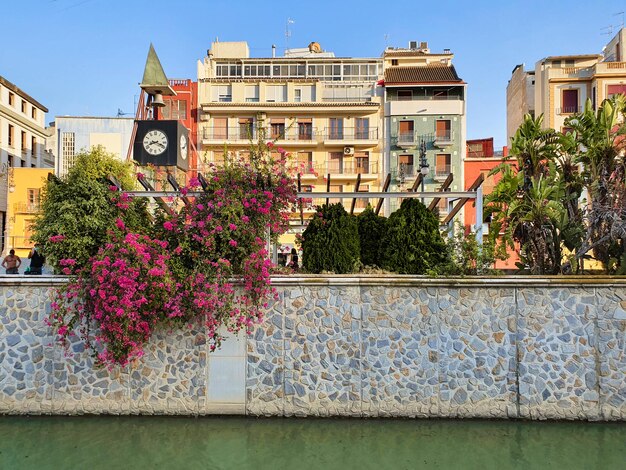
(293, 263)
(12, 262)
(37, 261)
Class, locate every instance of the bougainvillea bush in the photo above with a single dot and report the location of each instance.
(206, 262)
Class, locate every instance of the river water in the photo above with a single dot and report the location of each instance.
(249, 443)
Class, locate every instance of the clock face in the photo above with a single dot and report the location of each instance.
(183, 147)
(155, 142)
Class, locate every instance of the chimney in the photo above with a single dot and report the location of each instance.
(413, 45)
(273, 51)
(423, 45)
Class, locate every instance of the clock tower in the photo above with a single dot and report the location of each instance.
(158, 142)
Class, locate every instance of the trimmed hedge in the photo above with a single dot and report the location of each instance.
(372, 229)
(331, 241)
(413, 243)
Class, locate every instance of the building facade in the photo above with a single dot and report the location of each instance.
(75, 134)
(560, 85)
(22, 146)
(324, 110)
(424, 108)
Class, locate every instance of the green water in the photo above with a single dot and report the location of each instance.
(242, 443)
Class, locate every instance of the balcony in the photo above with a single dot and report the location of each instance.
(350, 169)
(351, 135)
(307, 136)
(568, 110)
(570, 72)
(442, 172)
(221, 135)
(443, 138)
(611, 67)
(26, 208)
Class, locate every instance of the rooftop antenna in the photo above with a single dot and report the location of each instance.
(620, 13)
(386, 36)
(288, 32)
(608, 30)
(121, 113)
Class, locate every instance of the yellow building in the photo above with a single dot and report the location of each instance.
(326, 111)
(24, 190)
(560, 85)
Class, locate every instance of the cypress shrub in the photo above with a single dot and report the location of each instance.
(413, 243)
(372, 229)
(331, 241)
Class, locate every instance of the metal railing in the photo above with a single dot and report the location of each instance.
(442, 171)
(229, 133)
(26, 207)
(335, 99)
(444, 136)
(351, 133)
(569, 110)
(426, 98)
(351, 167)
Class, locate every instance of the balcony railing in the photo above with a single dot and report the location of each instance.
(231, 133)
(444, 136)
(442, 171)
(310, 134)
(26, 207)
(351, 133)
(569, 110)
(344, 99)
(426, 98)
(351, 167)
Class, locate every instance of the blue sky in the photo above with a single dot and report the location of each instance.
(86, 57)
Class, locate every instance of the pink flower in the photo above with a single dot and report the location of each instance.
(120, 224)
(168, 226)
(218, 228)
(232, 227)
(232, 243)
(57, 238)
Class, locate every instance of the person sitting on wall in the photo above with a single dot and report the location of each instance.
(12, 262)
(37, 261)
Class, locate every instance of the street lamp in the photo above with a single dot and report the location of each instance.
(424, 166)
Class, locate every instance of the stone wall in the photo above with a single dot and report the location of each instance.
(537, 348)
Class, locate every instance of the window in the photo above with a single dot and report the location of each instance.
(23, 141)
(442, 130)
(305, 129)
(335, 188)
(361, 203)
(305, 162)
(442, 164)
(297, 95)
(67, 148)
(362, 162)
(405, 95)
(405, 132)
(33, 146)
(11, 136)
(252, 93)
(24, 106)
(220, 128)
(613, 90)
(174, 109)
(33, 112)
(335, 163)
(394, 61)
(569, 101)
(336, 128)
(32, 195)
(276, 93)
(11, 99)
(405, 166)
(246, 130)
(222, 93)
(565, 130)
(361, 128)
(277, 128)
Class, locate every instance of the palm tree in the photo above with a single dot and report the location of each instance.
(599, 138)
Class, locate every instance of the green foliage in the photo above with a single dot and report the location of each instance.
(413, 244)
(467, 258)
(78, 209)
(331, 241)
(372, 229)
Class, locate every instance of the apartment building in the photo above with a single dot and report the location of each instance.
(560, 85)
(324, 110)
(22, 147)
(74, 134)
(424, 110)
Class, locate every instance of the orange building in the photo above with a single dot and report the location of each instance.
(481, 159)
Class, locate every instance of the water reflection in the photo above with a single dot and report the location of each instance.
(168, 442)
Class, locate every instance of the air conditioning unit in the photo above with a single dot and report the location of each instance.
(348, 150)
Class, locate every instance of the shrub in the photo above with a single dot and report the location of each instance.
(78, 209)
(413, 243)
(372, 229)
(331, 241)
(467, 258)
